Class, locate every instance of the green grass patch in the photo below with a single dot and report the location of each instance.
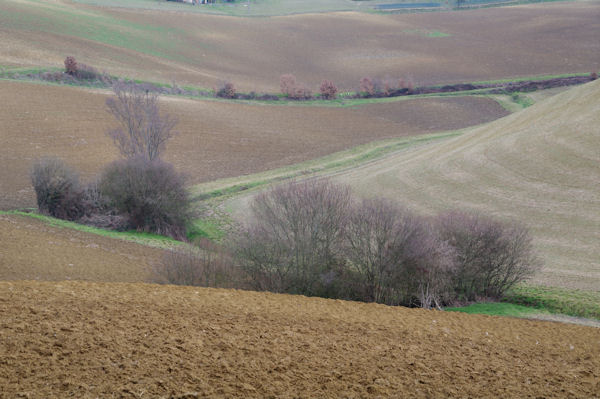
(498, 309)
(577, 303)
(334, 162)
(529, 78)
(147, 239)
(205, 228)
(426, 33)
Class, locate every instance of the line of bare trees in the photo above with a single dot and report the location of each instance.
(314, 238)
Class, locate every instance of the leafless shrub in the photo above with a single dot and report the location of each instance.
(397, 255)
(293, 89)
(57, 189)
(144, 129)
(99, 212)
(292, 244)
(226, 90)
(204, 265)
(70, 65)
(151, 193)
(328, 90)
(287, 83)
(492, 256)
(367, 87)
(86, 72)
(406, 84)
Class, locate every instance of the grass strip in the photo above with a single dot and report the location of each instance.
(147, 239)
(498, 309)
(331, 163)
(344, 99)
(571, 302)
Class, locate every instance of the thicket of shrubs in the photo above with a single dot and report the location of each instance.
(133, 193)
(138, 192)
(313, 238)
(369, 87)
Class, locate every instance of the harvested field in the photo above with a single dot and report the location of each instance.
(134, 340)
(33, 250)
(540, 166)
(216, 139)
(253, 52)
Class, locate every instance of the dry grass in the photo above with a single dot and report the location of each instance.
(540, 166)
(253, 52)
(215, 140)
(74, 339)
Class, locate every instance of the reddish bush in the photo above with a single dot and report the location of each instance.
(367, 87)
(226, 90)
(70, 65)
(328, 90)
(594, 75)
(287, 83)
(406, 84)
(293, 89)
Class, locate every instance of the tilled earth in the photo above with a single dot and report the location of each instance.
(88, 340)
(214, 140)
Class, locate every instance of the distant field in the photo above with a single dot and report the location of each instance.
(76, 339)
(192, 48)
(540, 166)
(216, 139)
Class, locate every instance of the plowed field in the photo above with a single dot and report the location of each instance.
(88, 340)
(33, 250)
(429, 48)
(215, 140)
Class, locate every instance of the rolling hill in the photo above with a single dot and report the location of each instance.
(192, 48)
(83, 339)
(539, 166)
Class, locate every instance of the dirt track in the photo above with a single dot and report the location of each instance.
(88, 340)
(215, 140)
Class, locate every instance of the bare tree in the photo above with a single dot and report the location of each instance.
(492, 256)
(293, 243)
(143, 130)
(398, 256)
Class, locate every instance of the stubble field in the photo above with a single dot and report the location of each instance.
(539, 166)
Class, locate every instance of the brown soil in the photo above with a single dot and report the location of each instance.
(33, 250)
(88, 340)
(215, 140)
(253, 52)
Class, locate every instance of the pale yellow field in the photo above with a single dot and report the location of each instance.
(540, 166)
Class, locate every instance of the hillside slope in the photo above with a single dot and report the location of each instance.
(74, 339)
(189, 48)
(215, 139)
(540, 166)
(31, 249)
